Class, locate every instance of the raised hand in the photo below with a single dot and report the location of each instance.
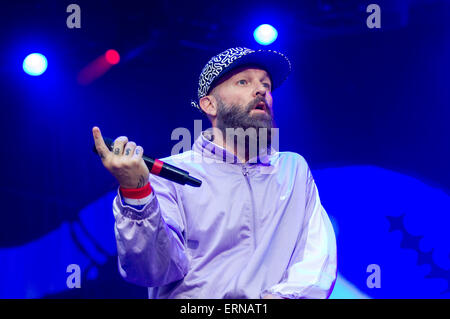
(125, 162)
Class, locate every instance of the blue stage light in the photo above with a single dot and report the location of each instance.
(35, 64)
(265, 34)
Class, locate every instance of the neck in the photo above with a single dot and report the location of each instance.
(243, 145)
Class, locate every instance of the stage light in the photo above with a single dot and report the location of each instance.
(98, 67)
(112, 57)
(35, 64)
(265, 34)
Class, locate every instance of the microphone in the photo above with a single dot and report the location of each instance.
(164, 170)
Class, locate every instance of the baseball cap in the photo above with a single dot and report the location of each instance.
(276, 64)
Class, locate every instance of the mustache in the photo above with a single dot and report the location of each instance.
(252, 104)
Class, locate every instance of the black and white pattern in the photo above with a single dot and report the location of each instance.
(217, 64)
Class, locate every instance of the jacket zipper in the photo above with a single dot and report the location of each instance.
(245, 173)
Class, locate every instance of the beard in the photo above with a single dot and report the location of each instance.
(236, 117)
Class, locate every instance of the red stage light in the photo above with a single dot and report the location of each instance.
(112, 56)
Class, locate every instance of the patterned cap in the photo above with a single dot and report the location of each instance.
(275, 63)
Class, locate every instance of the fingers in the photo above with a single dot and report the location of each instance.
(129, 149)
(122, 150)
(125, 161)
(119, 145)
(100, 145)
(138, 152)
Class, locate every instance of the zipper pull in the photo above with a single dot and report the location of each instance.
(244, 170)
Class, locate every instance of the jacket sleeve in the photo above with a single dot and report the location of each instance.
(312, 270)
(150, 241)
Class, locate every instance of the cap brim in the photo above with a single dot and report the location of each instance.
(275, 63)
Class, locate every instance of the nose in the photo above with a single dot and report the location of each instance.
(260, 90)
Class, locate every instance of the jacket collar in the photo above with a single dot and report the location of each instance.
(206, 147)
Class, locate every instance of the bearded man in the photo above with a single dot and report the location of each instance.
(254, 229)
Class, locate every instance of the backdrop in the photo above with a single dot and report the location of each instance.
(368, 108)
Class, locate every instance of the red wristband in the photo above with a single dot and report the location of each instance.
(136, 193)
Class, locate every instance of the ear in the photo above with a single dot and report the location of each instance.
(209, 105)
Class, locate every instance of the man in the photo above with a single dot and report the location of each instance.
(254, 229)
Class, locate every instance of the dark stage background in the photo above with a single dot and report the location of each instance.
(367, 108)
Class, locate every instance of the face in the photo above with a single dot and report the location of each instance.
(244, 100)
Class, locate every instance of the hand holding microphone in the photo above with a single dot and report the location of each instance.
(128, 164)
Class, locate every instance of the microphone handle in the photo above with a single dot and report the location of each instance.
(164, 170)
